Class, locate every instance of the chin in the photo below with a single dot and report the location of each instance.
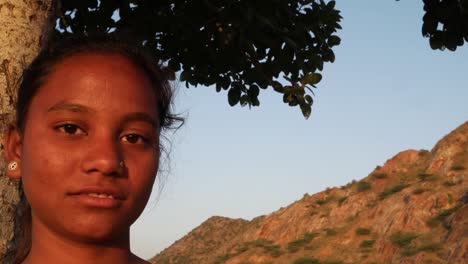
(99, 232)
(101, 237)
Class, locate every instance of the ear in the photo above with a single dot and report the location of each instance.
(12, 151)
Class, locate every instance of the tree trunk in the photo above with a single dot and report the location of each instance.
(22, 24)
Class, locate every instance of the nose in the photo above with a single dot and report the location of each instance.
(103, 155)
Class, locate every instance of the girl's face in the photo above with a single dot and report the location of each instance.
(89, 154)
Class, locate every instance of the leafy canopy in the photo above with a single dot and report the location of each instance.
(243, 46)
(240, 46)
(445, 23)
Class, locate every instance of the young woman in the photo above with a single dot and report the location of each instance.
(86, 147)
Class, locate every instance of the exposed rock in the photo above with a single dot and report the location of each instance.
(200, 245)
(413, 209)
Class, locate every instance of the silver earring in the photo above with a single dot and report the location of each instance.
(12, 165)
(122, 164)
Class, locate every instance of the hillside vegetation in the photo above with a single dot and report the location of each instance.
(413, 209)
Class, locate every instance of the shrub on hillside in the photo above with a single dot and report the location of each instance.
(342, 199)
(403, 238)
(362, 231)
(389, 191)
(409, 251)
(330, 231)
(449, 183)
(363, 186)
(268, 247)
(223, 258)
(428, 247)
(372, 204)
(242, 249)
(273, 250)
(367, 243)
(308, 236)
(306, 260)
(423, 152)
(419, 191)
(323, 201)
(457, 167)
(450, 198)
(296, 245)
(442, 216)
(427, 177)
(380, 175)
(333, 262)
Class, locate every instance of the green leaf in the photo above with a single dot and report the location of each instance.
(429, 24)
(184, 76)
(265, 21)
(306, 110)
(291, 43)
(174, 65)
(253, 92)
(225, 82)
(244, 100)
(234, 96)
(333, 40)
(329, 56)
(255, 102)
(311, 79)
(436, 41)
(292, 99)
(278, 87)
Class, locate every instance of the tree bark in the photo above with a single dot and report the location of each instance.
(23, 25)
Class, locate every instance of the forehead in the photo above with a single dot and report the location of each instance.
(100, 81)
(98, 62)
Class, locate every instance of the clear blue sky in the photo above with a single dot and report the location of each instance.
(386, 92)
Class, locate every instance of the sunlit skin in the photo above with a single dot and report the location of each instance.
(92, 112)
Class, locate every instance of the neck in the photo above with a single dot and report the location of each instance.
(49, 247)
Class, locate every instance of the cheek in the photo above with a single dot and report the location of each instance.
(145, 178)
(143, 167)
(142, 179)
(43, 166)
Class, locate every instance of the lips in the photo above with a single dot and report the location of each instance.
(99, 197)
(100, 192)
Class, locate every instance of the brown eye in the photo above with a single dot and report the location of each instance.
(71, 129)
(134, 139)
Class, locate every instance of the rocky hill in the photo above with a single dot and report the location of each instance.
(413, 209)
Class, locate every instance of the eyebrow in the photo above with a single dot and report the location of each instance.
(64, 106)
(78, 108)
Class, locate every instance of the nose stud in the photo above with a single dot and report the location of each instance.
(12, 165)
